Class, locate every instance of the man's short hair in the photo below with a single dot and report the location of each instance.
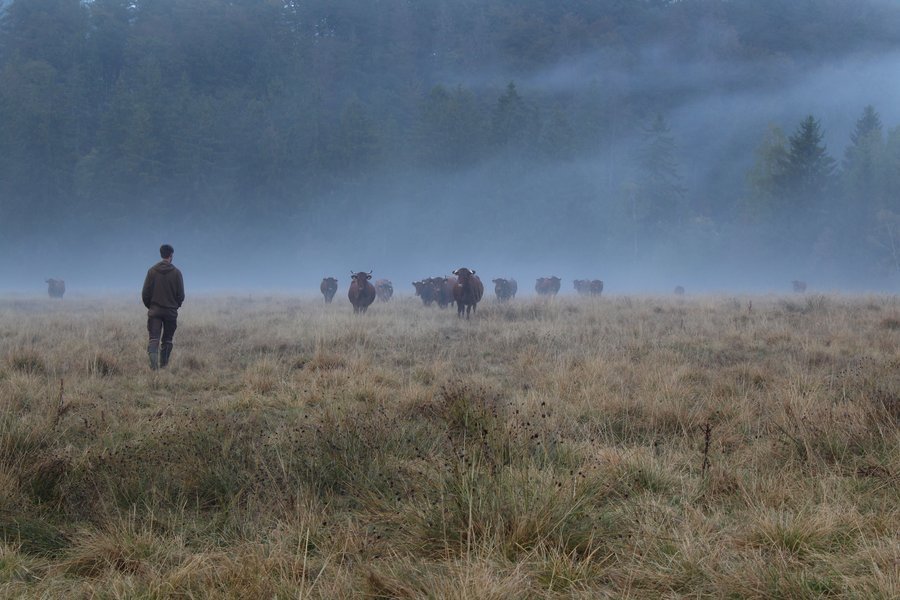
(166, 251)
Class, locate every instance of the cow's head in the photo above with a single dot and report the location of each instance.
(361, 278)
(464, 275)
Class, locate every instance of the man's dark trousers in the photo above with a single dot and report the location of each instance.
(161, 326)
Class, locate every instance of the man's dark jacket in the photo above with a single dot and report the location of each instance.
(163, 290)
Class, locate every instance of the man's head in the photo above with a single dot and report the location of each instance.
(166, 251)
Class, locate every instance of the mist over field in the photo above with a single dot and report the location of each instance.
(649, 144)
(714, 414)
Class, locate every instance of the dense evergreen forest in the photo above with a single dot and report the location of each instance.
(683, 136)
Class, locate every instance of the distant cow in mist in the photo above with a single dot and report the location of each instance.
(467, 292)
(361, 293)
(588, 287)
(443, 287)
(799, 286)
(547, 286)
(56, 288)
(505, 289)
(384, 289)
(425, 290)
(328, 287)
(679, 291)
(583, 287)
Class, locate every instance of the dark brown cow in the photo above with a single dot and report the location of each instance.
(443, 290)
(425, 290)
(328, 287)
(547, 286)
(384, 289)
(505, 289)
(361, 293)
(56, 288)
(679, 291)
(467, 292)
(596, 287)
(799, 286)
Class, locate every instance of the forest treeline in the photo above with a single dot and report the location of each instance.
(537, 118)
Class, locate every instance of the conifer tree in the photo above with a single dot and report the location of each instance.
(660, 193)
(863, 159)
(807, 170)
(512, 121)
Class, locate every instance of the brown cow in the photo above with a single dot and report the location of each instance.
(505, 289)
(547, 286)
(56, 288)
(384, 289)
(467, 292)
(799, 286)
(328, 287)
(679, 291)
(425, 290)
(596, 287)
(361, 293)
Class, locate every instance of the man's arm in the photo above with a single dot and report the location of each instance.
(179, 293)
(147, 292)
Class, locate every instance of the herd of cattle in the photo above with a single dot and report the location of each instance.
(463, 288)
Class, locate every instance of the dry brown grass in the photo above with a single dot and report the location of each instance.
(542, 449)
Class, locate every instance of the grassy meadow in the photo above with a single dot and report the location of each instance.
(623, 447)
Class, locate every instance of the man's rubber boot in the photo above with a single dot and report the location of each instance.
(153, 353)
(164, 353)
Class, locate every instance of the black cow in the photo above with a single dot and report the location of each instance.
(56, 288)
(443, 290)
(328, 287)
(384, 289)
(547, 286)
(425, 290)
(505, 289)
(583, 287)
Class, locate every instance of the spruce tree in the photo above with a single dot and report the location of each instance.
(659, 193)
(862, 177)
(807, 170)
(512, 121)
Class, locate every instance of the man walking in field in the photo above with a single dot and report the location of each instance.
(163, 294)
